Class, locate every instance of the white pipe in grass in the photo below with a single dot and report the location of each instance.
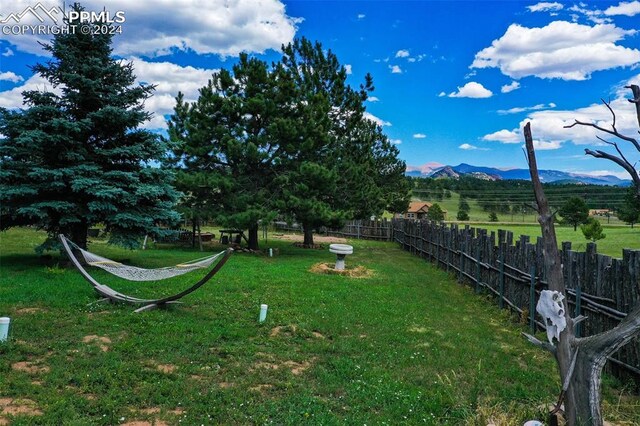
(270, 252)
(263, 313)
(4, 328)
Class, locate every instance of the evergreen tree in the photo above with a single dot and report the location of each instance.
(592, 229)
(630, 211)
(435, 213)
(493, 217)
(574, 212)
(229, 141)
(338, 164)
(76, 158)
(462, 215)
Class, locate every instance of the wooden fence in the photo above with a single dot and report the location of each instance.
(380, 230)
(600, 287)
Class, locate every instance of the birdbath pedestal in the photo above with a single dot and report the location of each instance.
(341, 250)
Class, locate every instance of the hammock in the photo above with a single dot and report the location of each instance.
(140, 274)
(133, 273)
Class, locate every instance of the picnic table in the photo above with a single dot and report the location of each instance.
(229, 233)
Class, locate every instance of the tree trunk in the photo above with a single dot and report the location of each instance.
(308, 236)
(582, 397)
(78, 234)
(253, 237)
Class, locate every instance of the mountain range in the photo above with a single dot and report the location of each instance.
(437, 170)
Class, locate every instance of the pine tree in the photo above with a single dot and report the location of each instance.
(630, 212)
(574, 212)
(76, 157)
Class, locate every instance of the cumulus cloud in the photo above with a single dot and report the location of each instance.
(442, 94)
(624, 8)
(361, 16)
(373, 99)
(378, 121)
(503, 136)
(545, 7)
(8, 52)
(169, 79)
(395, 69)
(549, 126)
(469, 147)
(9, 76)
(157, 27)
(471, 90)
(419, 136)
(348, 69)
(403, 53)
(564, 50)
(395, 141)
(514, 85)
(517, 110)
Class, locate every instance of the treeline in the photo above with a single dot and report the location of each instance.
(516, 196)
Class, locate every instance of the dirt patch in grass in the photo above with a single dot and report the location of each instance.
(284, 330)
(23, 311)
(328, 268)
(261, 388)
(297, 368)
(18, 406)
(145, 423)
(318, 335)
(166, 368)
(30, 367)
(100, 341)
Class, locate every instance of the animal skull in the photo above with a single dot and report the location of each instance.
(551, 309)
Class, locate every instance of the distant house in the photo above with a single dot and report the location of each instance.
(600, 212)
(417, 210)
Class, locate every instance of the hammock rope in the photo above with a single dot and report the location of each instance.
(134, 273)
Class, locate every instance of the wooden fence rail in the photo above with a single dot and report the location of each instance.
(600, 287)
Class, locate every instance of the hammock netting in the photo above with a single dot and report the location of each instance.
(133, 273)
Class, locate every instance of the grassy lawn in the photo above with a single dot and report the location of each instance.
(617, 237)
(407, 345)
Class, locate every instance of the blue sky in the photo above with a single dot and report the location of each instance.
(455, 80)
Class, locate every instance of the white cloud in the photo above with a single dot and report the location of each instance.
(402, 53)
(8, 52)
(395, 141)
(361, 16)
(378, 121)
(564, 50)
(12, 99)
(514, 85)
(540, 145)
(348, 69)
(545, 7)
(419, 136)
(517, 110)
(471, 90)
(169, 79)
(373, 99)
(395, 69)
(503, 136)
(549, 126)
(624, 8)
(156, 27)
(442, 94)
(9, 76)
(594, 15)
(469, 147)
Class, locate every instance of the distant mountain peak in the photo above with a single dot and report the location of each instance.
(437, 170)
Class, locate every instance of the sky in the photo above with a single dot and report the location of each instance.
(455, 80)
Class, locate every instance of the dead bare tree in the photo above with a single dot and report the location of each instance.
(619, 159)
(580, 360)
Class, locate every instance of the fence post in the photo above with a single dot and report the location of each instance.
(477, 266)
(501, 282)
(578, 308)
(532, 298)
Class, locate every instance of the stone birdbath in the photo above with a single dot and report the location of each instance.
(341, 250)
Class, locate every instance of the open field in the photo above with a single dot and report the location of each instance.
(407, 345)
(617, 237)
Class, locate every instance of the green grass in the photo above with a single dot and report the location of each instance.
(408, 345)
(617, 237)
